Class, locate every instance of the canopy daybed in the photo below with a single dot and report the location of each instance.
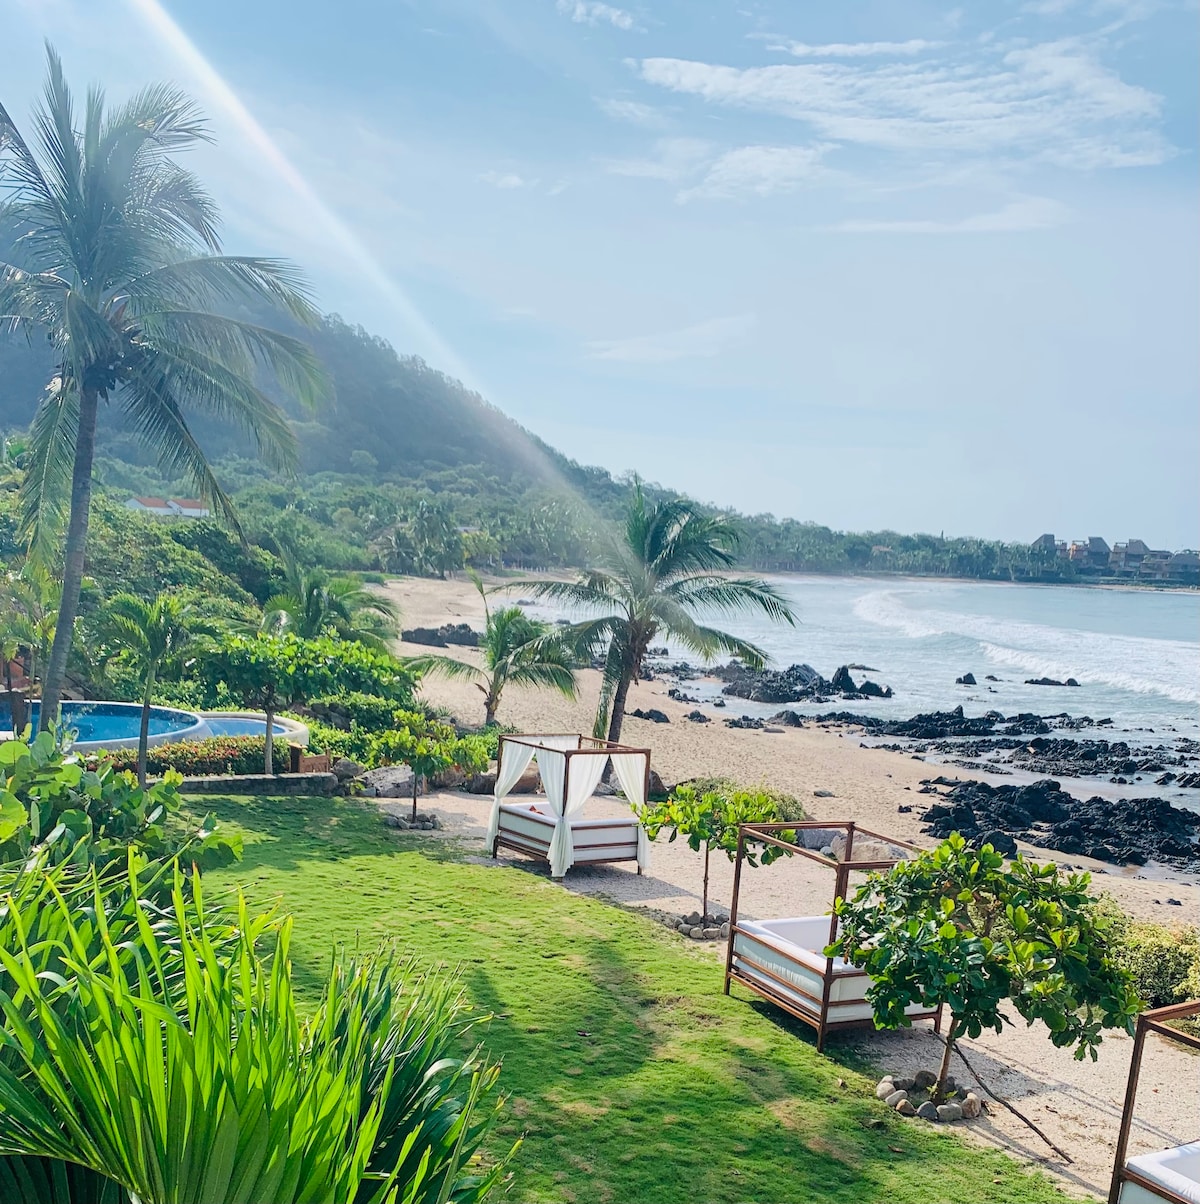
(553, 829)
(1172, 1174)
(784, 960)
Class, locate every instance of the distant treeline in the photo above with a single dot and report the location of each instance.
(410, 472)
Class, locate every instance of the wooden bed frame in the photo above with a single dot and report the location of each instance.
(599, 847)
(1153, 1021)
(766, 982)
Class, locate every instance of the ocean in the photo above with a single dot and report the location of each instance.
(1135, 653)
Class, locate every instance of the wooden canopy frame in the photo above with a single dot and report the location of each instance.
(586, 746)
(1153, 1021)
(769, 834)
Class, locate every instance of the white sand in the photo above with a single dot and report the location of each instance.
(1077, 1104)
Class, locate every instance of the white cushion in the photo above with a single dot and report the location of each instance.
(1177, 1168)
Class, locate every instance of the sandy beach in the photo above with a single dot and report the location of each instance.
(1077, 1104)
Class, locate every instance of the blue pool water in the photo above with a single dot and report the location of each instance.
(97, 722)
(224, 725)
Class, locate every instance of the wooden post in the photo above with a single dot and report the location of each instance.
(499, 757)
(566, 790)
(1135, 1070)
(733, 903)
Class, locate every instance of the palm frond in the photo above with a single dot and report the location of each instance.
(46, 488)
(732, 595)
(444, 666)
(546, 675)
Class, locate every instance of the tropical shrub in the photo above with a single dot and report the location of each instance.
(1164, 961)
(710, 821)
(355, 709)
(197, 758)
(337, 742)
(55, 807)
(367, 1100)
(272, 672)
(787, 806)
(958, 927)
(428, 747)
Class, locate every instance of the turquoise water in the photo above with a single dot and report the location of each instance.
(96, 722)
(221, 725)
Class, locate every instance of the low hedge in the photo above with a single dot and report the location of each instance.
(1164, 962)
(204, 758)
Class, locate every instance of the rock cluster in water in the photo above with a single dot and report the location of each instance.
(1121, 831)
(797, 683)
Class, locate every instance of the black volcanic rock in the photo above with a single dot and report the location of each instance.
(1049, 681)
(441, 637)
(967, 679)
(1126, 832)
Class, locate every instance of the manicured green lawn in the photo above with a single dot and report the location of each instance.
(632, 1078)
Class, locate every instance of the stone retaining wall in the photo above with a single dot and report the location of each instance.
(262, 783)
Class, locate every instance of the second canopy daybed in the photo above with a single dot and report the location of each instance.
(784, 960)
(1173, 1174)
(554, 829)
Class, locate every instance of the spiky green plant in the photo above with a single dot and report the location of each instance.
(158, 1045)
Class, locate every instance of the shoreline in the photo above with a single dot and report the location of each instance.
(868, 785)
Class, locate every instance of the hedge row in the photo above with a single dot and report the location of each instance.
(204, 758)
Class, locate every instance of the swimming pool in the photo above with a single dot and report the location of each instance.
(100, 725)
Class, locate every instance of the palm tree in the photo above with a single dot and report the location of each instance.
(515, 649)
(313, 602)
(658, 576)
(152, 633)
(118, 265)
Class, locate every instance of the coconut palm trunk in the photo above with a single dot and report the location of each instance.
(144, 730)
(73, 559)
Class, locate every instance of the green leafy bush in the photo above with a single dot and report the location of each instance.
(57, 808)
(1164, 961)
(957, 927)
(197, 758)
(788, 807)
(427, 746)
(710, 821)
(355, 709)
(337, 742)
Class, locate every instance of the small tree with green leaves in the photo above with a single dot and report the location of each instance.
(710, 821)
(956, 927)
(427, 746)
(151, 635)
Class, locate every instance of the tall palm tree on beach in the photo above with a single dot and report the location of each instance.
(117, 264)
(516, 649)
(658, 576)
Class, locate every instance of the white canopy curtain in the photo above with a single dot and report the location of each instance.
(579, 783)
(630, 769)
(513, 762)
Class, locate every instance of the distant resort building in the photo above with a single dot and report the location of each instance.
(169, 507)
(1133, 560)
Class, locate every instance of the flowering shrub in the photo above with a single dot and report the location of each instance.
(197, 758)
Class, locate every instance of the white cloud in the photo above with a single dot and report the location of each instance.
(853, 50)
(1029, 213)
(1053, 101)
(704, 340)
(632, 111)
(592, 12)
(759, 171)
(674, 159)
(506, 180)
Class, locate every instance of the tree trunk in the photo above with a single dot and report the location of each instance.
(704, 893)
(269, 760)
(414, 780)
(617, 714)
(144, 731)
(74, 551)
(939, 1091)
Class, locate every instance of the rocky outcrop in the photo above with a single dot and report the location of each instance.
(1049, 681)
(1125, 832)
(441, 637)
(797, 683)
(967, 679)
(652, 715)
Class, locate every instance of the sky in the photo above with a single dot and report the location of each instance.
(879, 263)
